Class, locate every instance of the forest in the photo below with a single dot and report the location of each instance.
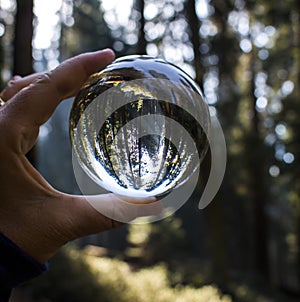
(245, 56)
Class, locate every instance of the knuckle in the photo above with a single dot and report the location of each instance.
(10, 90)
(44, 78)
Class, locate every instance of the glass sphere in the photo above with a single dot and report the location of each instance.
(139, 127)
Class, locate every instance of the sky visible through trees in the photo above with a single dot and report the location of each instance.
(245, 57)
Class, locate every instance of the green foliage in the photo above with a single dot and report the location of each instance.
(252, 209)
(76, 276)
(162, 240)
(89, 31)
(68, 276)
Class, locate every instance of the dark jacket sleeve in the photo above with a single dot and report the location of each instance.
(16, 267)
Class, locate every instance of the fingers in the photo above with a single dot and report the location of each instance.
(124, 209)
(34, 104)
(96, 213)
(16, 84)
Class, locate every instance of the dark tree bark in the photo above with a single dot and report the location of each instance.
(142, 43)
(213, 215)
(258, 190)
(194, 26)
(23, 38)
(23, 45)
(297, 92)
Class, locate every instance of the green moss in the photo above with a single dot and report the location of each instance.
(75, 276)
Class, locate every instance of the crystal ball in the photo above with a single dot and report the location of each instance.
(139, 127)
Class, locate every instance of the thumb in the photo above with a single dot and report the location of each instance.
(95, 213)
(124, 209)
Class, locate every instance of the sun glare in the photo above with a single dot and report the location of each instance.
(47, 20)
(122, 11)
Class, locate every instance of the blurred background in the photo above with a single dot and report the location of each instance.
(245, 56)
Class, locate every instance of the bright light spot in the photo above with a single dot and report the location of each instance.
(177, 4)
(212, 111)
(202, 9)
(261, 103)
(287, 87)
(243, 24)
(38, 67)
(2, 29)
(275, 106)
(111, 20)
(6, 74)
(152, 49)
(122, 9)
(270, 139)
(47, 20)
(261, 40)
(172, 54)
(263, 54)
(274, 171)
(270, 30)
(153, 31)
(131, 39)
(168, 11)
(66, 13)
(279, 151)
(280, 130)
(239, 20)
(37, 54)
(151, 11)
(44, 131)
(239, 4)
(118, 46)
(246, 45)
(211, 98)
(178, 28)
(108, 4)
(212, 60)
(208, 29)
(188, 69)
(211, 83)
(52, 64)
(7, 5)
(204, 48)
(69, 21)
(288, 157)
(261, 78)
(188, 53)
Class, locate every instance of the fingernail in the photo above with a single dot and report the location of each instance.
(153, 198)
(16, 77)
(109, 50)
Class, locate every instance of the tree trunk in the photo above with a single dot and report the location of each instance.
(258, 190)
(296, 47)
(142, 43)
(194, 26)
(23, 45)
(23, 38)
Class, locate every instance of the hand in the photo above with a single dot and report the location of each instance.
(38, 218)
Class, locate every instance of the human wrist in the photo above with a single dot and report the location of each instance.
(16, 266)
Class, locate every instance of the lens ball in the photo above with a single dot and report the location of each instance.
(139, 127)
